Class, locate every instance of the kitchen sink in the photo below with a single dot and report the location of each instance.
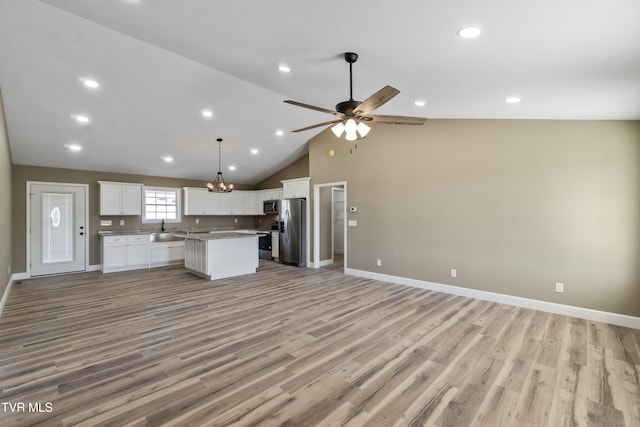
(164, 237)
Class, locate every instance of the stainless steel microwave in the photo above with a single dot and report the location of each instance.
(270, 207)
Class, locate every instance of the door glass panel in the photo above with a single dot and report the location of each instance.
(57, 227)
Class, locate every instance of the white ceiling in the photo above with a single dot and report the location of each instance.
(160, 62)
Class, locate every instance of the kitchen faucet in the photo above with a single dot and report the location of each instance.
(162, 227)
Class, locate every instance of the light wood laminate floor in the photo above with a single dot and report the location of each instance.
(301, 347)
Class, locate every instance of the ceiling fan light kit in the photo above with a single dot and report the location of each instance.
(219, 185)
(352, 114)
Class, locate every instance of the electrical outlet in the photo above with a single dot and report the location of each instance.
(559, 287)
(235, 220)
(454, 272)
(122, 222)
(379, 263)
(197, 220)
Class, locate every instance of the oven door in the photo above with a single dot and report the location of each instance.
(264, 245)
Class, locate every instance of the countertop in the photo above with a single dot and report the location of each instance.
(182, 233)
(124, 232)
(216, 236)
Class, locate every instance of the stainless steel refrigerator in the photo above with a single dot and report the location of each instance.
(293, 232)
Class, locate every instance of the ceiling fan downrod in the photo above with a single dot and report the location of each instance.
(346, 107)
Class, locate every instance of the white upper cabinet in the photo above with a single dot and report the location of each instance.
(120, 198)
(199, 201)
(231, 203)
(296, 188)
(195, 201)
(249, 203)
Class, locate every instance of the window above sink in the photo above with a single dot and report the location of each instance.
(161, 203)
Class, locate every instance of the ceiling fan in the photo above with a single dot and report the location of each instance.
(353, 114)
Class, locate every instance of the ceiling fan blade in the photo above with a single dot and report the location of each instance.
(397, 120)
(376, 100)
(313, 107)
(317, 126)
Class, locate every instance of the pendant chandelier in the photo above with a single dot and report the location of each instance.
(219, 185)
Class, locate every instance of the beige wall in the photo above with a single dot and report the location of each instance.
(22, 174)
(5, 208)
(513, 205)
(297, 169)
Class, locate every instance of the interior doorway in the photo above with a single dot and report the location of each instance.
(329, 225)
(337, 224)
(56, 228)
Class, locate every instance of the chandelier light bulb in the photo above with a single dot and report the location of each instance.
(350, 126)
(338, 129)
(351, 136)
(363, 129)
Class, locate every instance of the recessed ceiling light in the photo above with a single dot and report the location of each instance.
(73, 147)
(80, 118)
(168, 159)
(90, 83)
(232, 168)
(420, 103)
(512, 100)
(284, 68)
(279, 132)
(254, 151)
(207, 113)
(469, 32)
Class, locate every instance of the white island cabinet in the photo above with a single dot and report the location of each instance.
(220, 255)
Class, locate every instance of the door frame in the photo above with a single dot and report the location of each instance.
(316, 221)
(344, 219)
(28, 220)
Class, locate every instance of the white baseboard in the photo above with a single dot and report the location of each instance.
(325, 262)
(19, 276)
(96, 267)
(551, 307)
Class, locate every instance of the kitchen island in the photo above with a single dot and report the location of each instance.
(220, 255)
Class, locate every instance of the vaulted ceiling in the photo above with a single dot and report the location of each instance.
(160, 63)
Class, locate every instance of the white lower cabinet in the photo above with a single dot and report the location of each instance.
(165, 253)
(121, 253)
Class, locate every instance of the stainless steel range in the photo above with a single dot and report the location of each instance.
(264, 245)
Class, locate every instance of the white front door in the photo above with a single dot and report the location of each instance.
(58, 236)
